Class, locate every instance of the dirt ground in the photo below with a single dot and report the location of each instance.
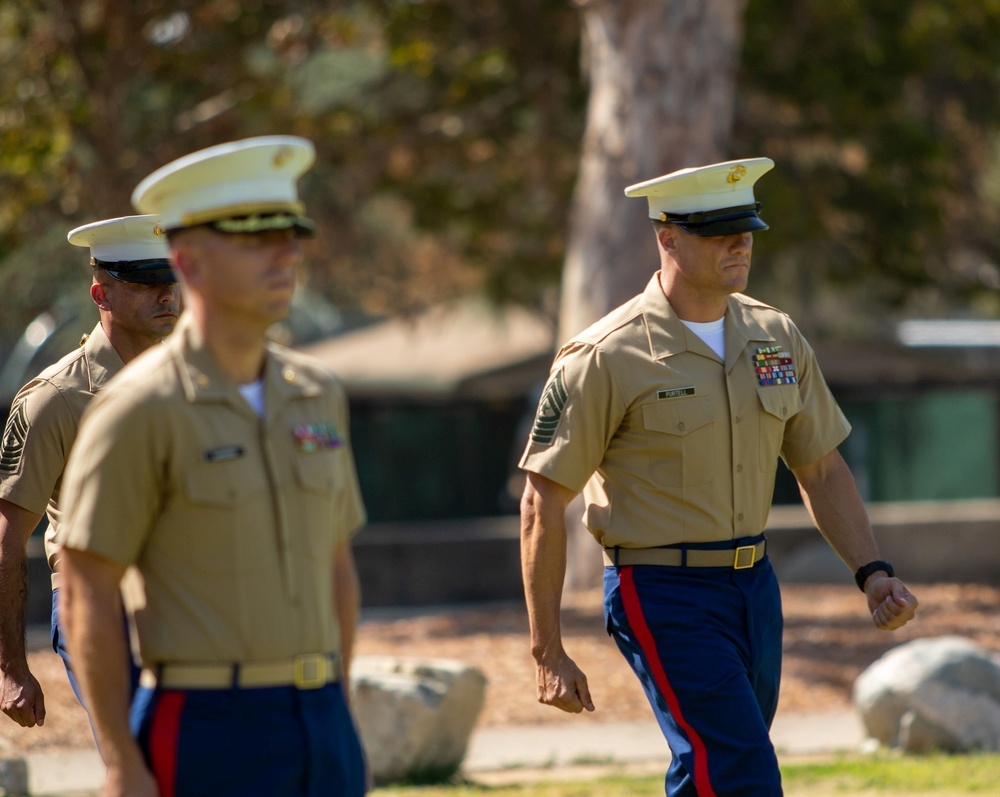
(829, 640)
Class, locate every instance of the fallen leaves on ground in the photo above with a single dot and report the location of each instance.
(829, 640)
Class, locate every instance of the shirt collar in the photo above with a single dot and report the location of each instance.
(667, 334)
(664, 328)
(203, 379)
(103, 362)
(741, 328)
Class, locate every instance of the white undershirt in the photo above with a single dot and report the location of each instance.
(712, 332)
(254, 394)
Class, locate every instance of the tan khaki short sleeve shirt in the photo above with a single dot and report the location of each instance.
(669, 443)
(42, 427)
(230, 519)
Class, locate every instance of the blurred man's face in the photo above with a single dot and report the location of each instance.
(245, 275)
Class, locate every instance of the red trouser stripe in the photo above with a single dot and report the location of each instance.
(163, 740)
(637, 620)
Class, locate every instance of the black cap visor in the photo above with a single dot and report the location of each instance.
(724, 221)
(140, 272)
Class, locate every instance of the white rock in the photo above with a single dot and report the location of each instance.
(940, 693)
(415, 716)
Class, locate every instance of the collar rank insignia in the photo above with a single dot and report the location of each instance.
(315, 436)
(774, 366)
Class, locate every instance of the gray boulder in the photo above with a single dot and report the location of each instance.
(415, 717)
(940, 693)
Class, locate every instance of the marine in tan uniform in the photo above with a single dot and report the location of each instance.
(240, 505)
(137, 300)
(670, 415)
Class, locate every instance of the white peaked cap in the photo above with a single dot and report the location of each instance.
(250, 178)
(726, 186)
(123, 239)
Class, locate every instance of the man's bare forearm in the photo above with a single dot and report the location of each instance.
(91, 616)
(543, 560)
(347, 601)
(16, 525)
(560, 682)
(13, 598)
(832, 499)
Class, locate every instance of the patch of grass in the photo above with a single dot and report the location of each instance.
(592, 759)
(611, 786)
(548, 763)
(885, 772)
(880, 774)
(431, 776)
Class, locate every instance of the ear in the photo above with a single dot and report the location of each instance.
(100, 296)
(184, 260)
(666, 235)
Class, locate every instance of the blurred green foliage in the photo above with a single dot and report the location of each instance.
(883, 122)
(447, 132)
(448, 136)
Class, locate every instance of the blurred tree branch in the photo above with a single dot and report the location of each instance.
(449, 137)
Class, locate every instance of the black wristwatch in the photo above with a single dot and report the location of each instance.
(864, 571)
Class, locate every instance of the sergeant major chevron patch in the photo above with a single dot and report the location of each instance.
(14, 436)
(550, 410)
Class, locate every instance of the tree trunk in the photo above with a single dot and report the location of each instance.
(662, 83)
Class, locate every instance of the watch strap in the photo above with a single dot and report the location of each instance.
(863, 572)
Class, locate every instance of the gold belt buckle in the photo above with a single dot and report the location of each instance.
(745, 557)
(310, 671)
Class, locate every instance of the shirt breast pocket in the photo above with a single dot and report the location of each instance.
(222, 485)
(778, 404)
(318, 473)
(680, 441)
(220, 500)
(319, 480)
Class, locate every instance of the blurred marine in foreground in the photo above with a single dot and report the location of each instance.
(226, 463)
